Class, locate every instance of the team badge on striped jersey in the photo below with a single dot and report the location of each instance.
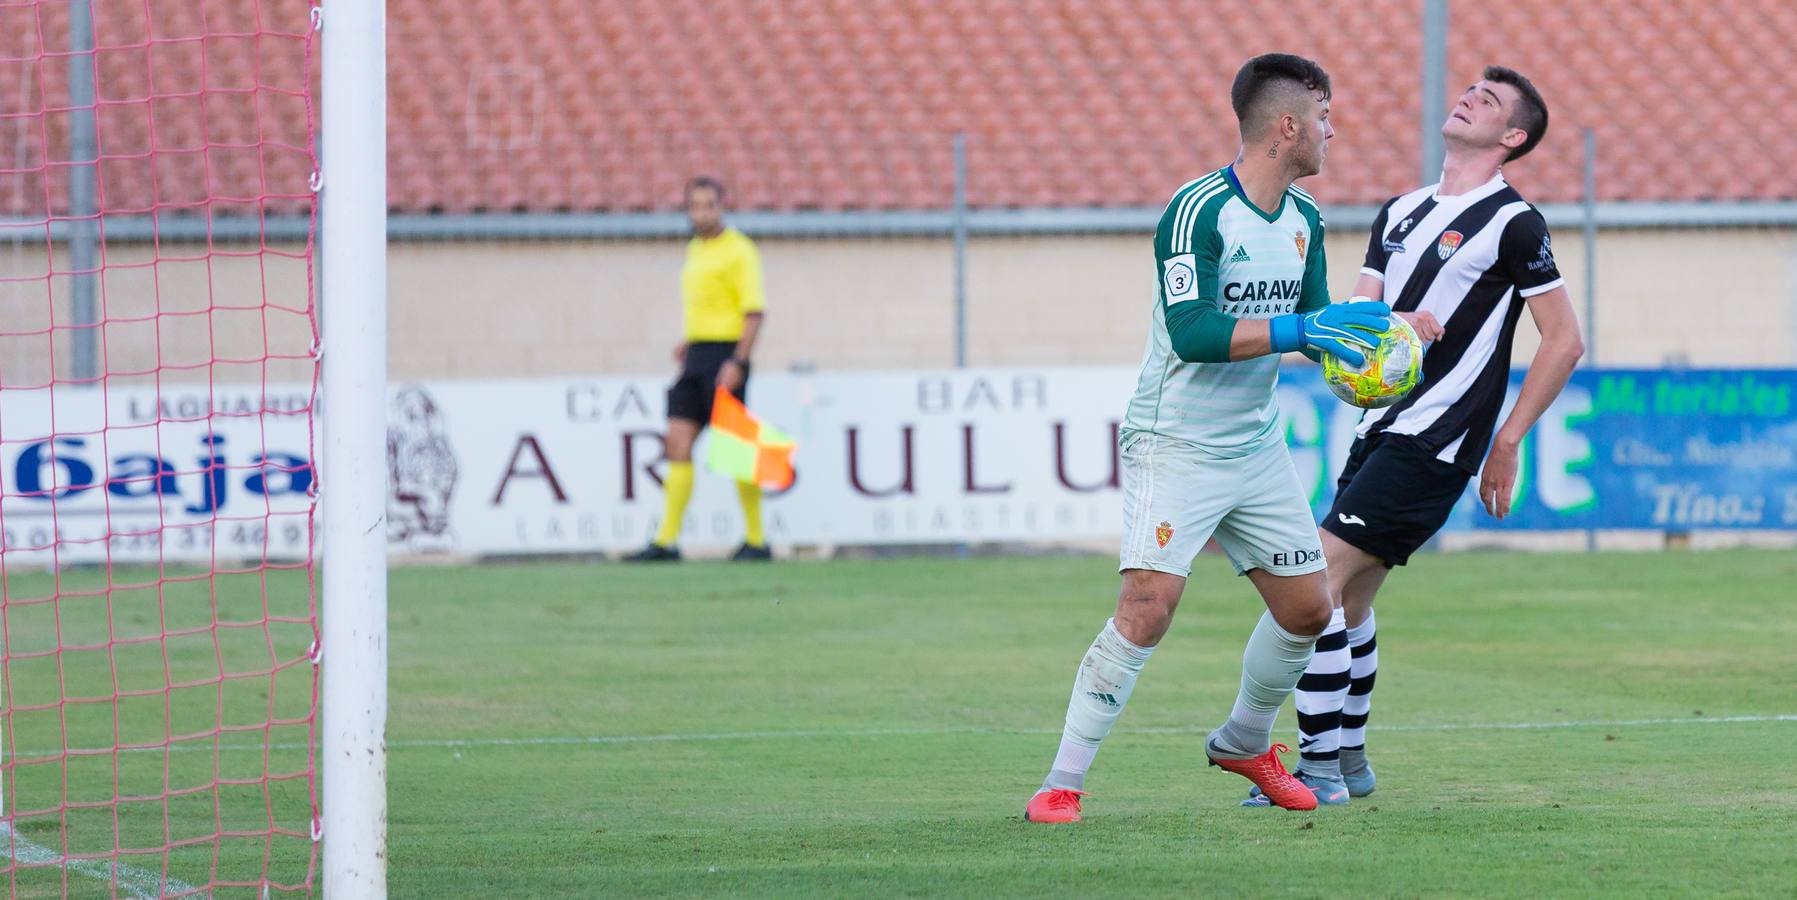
(1163, 534)
(1298, 238)
(1450, 241)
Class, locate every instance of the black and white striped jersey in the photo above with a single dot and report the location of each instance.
(1471, 260)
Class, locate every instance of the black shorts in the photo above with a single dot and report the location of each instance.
(1393, 496)
(693, 391)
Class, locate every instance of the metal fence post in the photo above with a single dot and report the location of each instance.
(83, 194)
(960, 250)
(1590, 241)
(1435, 86)
(1590, 190)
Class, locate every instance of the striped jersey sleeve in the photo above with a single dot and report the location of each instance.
(1186, 252)
(1527, 254)
(1378, 250)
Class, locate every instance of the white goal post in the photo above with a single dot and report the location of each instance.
(353, 469)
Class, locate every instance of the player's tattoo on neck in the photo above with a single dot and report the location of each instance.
(1273, 152)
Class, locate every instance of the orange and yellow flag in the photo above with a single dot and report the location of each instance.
(746, 448)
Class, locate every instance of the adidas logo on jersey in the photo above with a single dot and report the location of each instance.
(1241, 254)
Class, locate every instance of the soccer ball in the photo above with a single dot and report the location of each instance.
(1391, 370)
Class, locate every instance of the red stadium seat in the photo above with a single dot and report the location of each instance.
(836, 104)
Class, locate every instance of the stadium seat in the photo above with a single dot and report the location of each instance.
(1072, 88)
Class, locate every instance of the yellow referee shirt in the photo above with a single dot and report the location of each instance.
(720, 284)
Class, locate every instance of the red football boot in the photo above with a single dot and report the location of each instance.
(1053, 805)
(1269, 774)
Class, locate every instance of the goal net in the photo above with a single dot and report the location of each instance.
(158, 372)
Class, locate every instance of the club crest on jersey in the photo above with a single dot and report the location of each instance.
(1163, 534)
(1298, 238)
(1450, 241)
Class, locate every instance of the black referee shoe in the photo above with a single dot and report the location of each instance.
(751, 553)
(655, 553)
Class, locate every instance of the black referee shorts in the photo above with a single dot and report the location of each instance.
(1393, 496)
(693, 391)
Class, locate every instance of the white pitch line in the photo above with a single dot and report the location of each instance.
(451, 743)
(604, 739)
(1615, 723)
(1529, 726)
(142, 884)
(146, 885)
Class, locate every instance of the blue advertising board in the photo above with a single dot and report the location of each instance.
(1666, 449)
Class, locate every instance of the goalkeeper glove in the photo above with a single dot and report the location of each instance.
(1336, 329)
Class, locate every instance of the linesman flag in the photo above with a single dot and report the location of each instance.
(746, 448)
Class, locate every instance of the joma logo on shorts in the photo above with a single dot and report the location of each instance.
(1297, 557)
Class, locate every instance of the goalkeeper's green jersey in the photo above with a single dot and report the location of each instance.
(1218, 256)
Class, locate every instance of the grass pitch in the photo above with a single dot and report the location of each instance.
(1612, 724)
(1544, 725)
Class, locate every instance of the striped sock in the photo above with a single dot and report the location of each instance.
(1319, 702)
(1363, 646)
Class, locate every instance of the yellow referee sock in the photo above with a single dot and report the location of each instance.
(750, 493)
(679, 487)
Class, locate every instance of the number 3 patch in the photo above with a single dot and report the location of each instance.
(1179, 278)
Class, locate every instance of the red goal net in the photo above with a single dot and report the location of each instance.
(158, 364)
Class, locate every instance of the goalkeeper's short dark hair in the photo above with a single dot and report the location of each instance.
(1530, 115)
(1259, 78)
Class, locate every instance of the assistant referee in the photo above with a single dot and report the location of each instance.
(722, 293)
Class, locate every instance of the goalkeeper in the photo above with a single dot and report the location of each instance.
(1241, 281)
(721, 288)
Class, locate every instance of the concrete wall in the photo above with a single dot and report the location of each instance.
(178, 314)
(494, 310)
(1701, 297)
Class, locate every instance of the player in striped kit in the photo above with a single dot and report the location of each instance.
(1241, 281)
(1460, 260)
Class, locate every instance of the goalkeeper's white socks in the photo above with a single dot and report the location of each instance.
(1271, 665)
(1319, 701)
(1106, 678)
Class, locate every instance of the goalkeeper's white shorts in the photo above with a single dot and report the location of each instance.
(1176, 497)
